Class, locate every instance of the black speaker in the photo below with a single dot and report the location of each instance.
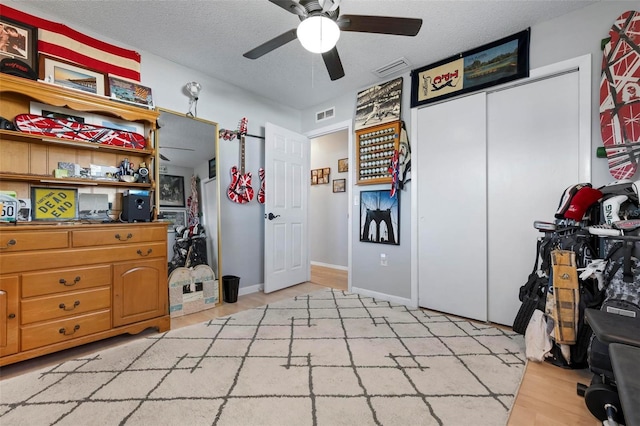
(136, 208)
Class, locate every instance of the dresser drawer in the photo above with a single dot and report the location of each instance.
(61, 280)
(64, 305)
(123, 235)
(11, 241)
(50, 259)
(35, 336)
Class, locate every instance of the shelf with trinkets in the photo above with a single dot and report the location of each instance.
(32, 160)
(375, 147)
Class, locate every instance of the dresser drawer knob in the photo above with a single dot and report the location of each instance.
(144, 255)
(64, 330)
(12, 316)
(129, 236)
(64, 307)
(10, 243)
(64, 282)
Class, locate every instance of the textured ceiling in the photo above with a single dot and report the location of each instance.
(211, 36)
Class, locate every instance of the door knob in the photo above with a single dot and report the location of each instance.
(271, 216)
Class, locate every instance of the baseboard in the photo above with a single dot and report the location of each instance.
(382, 296)
(328, 265)
(250, 289)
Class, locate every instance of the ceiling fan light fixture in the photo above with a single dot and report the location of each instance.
(318, 34)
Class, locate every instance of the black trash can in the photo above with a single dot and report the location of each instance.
(230, 285)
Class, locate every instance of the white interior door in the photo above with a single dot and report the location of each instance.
(286, 233)
(452, 215)
(533, 155)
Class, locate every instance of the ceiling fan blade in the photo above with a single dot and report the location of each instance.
(380, 24)
(290, 6)
(333, 64)
(272, 44)
(162, 157)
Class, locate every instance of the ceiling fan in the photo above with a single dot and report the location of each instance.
(162, 157)
(325, 15)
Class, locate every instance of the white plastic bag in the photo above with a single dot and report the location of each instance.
(537, 340)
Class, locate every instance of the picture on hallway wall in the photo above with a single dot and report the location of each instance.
(379, 104)
(320, 176)
(379, 217)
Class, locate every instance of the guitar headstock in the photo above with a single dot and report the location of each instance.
(242, 126)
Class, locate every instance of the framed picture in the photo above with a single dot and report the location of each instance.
(172, 191)
(175, 218)
(379, 217)
(22, 42)
(319, 176)
(343, 165)
(70, 75)
(379, 104)
(212, 168)
(127, 91)
(54, 203)
(495, 63)
(339, 185)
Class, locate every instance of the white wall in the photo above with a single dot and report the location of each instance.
(575, 34)
(328, 211)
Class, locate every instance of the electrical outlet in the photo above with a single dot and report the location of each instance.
(383, 259)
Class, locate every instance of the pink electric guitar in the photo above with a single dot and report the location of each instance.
(240, 190)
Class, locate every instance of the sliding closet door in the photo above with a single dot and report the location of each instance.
(533, 150)
(452, 257)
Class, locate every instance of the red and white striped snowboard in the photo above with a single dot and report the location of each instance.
(72, 130)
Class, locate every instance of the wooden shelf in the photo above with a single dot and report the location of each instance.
(26, 137)
(52, 94)
(70, 181)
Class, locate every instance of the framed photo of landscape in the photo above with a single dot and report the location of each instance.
(130, 92)
(70, 75)
(495, 63)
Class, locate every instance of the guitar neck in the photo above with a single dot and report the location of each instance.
(242, 154)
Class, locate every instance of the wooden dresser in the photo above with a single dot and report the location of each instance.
(66, 285)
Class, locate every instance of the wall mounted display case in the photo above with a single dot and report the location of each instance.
(374, 151)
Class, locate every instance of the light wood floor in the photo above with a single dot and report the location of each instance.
(547, 395)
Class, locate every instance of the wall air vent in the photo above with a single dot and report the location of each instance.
(392, 67)
(326, 114)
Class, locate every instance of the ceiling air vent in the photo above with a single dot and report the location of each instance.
(392, 67)
(326, 114)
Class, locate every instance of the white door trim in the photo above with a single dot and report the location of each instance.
(583, 65)
(316, 133)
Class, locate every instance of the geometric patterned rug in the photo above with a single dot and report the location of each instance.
(326, 358)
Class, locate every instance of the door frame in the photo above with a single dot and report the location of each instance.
(581, 64)
(316, 133)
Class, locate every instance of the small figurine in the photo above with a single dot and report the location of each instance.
(143, 173)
